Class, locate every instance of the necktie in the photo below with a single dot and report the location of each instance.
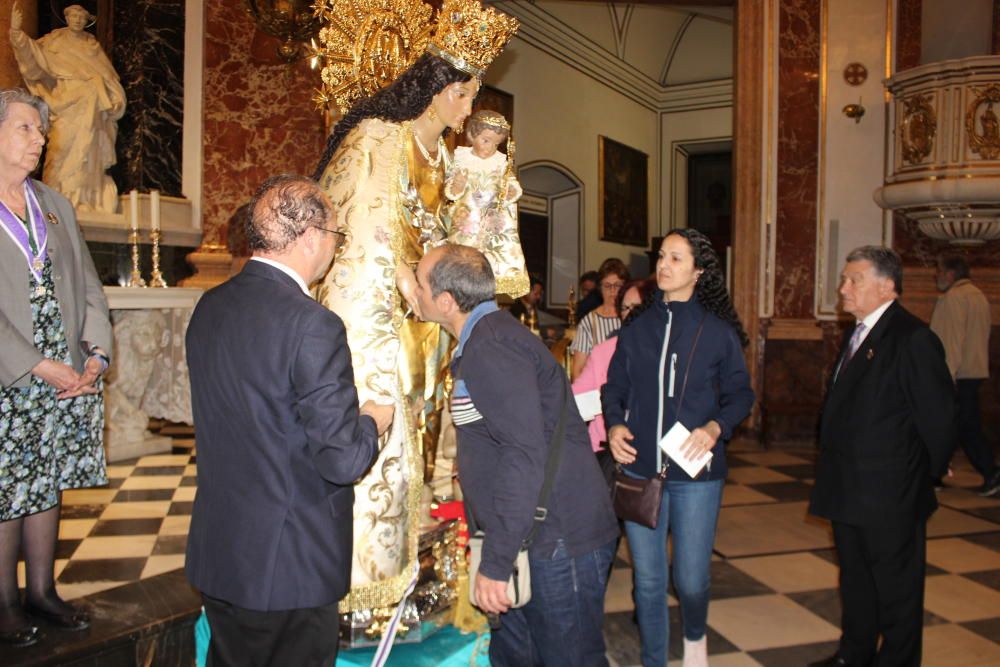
(852, 347)
(855, 341)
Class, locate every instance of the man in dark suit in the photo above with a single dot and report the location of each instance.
(885, 431)
(280, 442)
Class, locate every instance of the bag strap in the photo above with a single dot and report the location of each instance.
(551, 465)
(687, 369)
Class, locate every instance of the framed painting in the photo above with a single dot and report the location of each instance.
(623, 208)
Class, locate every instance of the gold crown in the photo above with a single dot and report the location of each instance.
(469, 36)
(491, 119)
(367, 44)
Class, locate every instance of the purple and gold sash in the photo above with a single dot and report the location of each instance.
(18, 233)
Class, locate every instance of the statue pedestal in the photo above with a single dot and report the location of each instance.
(212, 266)
(148, 375)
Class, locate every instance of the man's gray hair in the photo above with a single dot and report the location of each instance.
(281, 211)
(466, 274)
(10, 96)
(886, 262)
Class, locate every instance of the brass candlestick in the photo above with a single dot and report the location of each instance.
(135, 278)
(156, 278)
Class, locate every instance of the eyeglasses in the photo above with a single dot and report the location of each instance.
(331, 231)
(612, 286)
(340, 246)
(628, 307)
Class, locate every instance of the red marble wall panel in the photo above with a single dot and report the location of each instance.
(259, 117)
(908, 34)
(798, 138)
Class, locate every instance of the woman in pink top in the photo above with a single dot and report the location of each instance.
(595, 372)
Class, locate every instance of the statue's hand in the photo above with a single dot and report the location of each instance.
(406, 281)
(16, 18)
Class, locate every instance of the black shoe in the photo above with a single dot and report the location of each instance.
(992, 485)
(74, 619)
(832, 661)
(20, 638)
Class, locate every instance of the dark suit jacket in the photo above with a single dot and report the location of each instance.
(887, 426)
(280, 442)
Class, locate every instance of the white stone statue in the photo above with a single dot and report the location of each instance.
(70, 71)
(137, 336)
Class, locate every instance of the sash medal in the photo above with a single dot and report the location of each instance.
(30, 237)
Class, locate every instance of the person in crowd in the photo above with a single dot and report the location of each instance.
(384, 168)
(530, 302)
(508, 397)
(281, 441)
(680, 360)
(589, 297)
(604, 320)
(56, 334)
(887, 426)
(595, 372)
(961, 319)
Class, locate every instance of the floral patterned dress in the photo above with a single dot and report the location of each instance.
(47, 445)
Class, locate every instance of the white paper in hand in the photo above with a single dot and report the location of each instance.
(589, 404)
(671, 446)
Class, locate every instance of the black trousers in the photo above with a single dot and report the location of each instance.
(882, 590)
(970, 429)
(243, 637)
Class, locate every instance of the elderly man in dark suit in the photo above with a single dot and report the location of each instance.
(886, 430)
(280, 442)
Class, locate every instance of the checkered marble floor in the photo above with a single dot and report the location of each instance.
(774, 573)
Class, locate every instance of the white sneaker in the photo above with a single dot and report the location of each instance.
(696, 652)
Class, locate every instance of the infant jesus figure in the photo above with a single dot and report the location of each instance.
(483, 190)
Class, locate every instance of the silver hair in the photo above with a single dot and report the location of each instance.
(466, 274)
(10, 96)
(885, 261)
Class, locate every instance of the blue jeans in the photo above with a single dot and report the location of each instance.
(562, 624)
(690, 511)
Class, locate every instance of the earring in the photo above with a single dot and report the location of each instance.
(461, 126)
(431, 113)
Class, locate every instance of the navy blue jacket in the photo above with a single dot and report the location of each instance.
(718, 385)
(517, 390)
(280, 443)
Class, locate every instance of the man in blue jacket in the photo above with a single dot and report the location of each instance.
(508, 396)
(281, 440)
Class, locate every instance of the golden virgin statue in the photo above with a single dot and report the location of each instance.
(384, 169)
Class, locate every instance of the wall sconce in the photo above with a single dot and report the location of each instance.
(292, 21)
(855, 111)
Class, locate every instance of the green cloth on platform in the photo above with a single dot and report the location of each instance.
(445, 648)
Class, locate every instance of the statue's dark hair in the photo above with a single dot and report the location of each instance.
(711, 286)
(404, 99)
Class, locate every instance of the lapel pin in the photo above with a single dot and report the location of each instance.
(52, 218)
(870, 354)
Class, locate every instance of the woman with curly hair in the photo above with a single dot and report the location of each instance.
(681, 360)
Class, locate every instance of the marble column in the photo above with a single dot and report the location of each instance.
(748, 132)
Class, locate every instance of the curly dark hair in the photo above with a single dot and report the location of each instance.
(711, 286)
(404, 99)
